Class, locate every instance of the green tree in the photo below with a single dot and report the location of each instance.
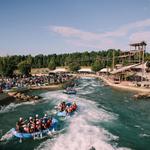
(52, 64)
(29, 59)
(1, 66)
(74, 67)
(24, 68)
(97, 65)
(7, 67)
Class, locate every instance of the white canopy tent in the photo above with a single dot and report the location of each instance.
(85, 70)
(105, 70)
(60, 70)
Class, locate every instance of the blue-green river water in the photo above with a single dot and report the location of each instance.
(106, 119)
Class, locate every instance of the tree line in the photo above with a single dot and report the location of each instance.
(95, 59)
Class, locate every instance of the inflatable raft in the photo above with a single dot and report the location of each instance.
(64, 113)
(72, 91)
(35, 134)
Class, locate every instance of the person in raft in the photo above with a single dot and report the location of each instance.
(20, 125)
(72, 108)
(62, 106)
(33, 125)
(1, 90)
(30, 125)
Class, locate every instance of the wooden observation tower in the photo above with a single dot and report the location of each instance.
(139, 48)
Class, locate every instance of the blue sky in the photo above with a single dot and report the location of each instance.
(61, 26)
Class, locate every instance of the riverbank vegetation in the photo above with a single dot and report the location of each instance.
(95, 59)
(74, 60)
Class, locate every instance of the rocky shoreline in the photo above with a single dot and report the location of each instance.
(7, 98)
(143, 95)
(19, 96)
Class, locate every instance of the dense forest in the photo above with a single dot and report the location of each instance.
(95, 58)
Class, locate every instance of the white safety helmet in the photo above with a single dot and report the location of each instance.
(30, 118)
(45, 115)
(20, 118)
(36, 115)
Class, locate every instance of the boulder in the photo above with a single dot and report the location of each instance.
(23, 96)
(142, 95)
(25, 99)
(36, 97)
(18, 95)
(12, 94)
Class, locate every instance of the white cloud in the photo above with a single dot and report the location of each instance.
(82, 38)
(96, 45)
(139, 36)
(75, 33)
(122, 31)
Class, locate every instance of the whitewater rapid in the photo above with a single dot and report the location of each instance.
(82, 131)
(13, 106)
(106, 119)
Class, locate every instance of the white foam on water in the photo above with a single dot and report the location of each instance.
(82, 134)
(138, 126)
(90, 81)
(79, 88)
(55, 95)
(90, 86)
(84, 129)
(7, 136)
(144, 135)
(90, 90)
(12, 106)
(86, 92)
